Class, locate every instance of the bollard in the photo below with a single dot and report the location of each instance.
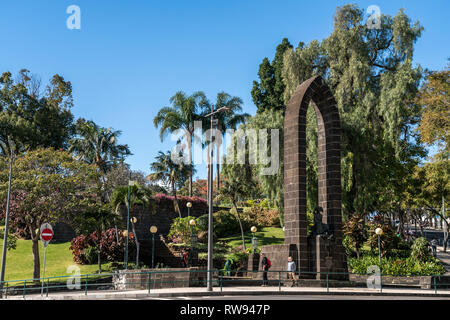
(85, 285)
(328, 288)
(279, 280)
(24, 288)
(435, 288)
(381, 282)
(149, 281)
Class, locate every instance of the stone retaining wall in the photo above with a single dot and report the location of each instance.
(159, 278)
(424, 282)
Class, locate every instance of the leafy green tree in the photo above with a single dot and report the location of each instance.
(96, 217)
(238, 183)
(268, 92)
(181, 116)
(433, 97)
(271, 185)
(171, 173)
(48, 185)
(428, 186)
(371, 76)
(31, 117)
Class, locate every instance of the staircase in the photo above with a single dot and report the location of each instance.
(163, 253)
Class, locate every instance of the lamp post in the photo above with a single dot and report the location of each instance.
(210, 196)
(254, 239)
(125, 234)
(379, 233)
(193, 240)
(133, 222)
(130, 183)
(153, 230)
(189, 205)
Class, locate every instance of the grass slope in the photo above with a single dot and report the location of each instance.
(266, 236)
(19, 262)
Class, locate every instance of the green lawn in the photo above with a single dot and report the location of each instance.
(266, 236)
(19, 262)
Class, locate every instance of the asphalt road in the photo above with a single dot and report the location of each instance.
(301, 297)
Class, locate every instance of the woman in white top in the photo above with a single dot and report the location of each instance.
(291, 270)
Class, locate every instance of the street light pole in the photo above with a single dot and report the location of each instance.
(153, 230)
(5, 236)
(379, 233)
(210, 207)
(128, 220)
(210, 197)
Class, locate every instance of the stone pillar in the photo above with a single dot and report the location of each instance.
(253, 264)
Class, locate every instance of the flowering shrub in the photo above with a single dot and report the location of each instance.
(111, 250)
(397, 267)
(160, 197)
(261, 217)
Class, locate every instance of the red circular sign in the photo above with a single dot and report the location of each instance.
(47, 234)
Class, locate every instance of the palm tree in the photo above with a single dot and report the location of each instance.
(170, 173)
(181, 116)
(97, 145)
(138, 195)
(228, 119)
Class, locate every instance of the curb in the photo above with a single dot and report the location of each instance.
(119, 296)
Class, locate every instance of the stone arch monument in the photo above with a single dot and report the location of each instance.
(322, 251)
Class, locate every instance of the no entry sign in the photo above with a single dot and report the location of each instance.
(46, 233)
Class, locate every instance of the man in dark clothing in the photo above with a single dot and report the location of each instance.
(434, 246)
(265, 267)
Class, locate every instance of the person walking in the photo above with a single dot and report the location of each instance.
(227, 266)
(291, 268)
(434, 247)
(265, 263)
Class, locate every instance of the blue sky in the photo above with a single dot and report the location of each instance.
(130, 57)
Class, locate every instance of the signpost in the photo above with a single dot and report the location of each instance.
(46, 232)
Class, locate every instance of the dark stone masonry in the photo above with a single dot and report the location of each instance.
(317, 253)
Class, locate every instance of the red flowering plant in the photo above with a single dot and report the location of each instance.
(111, 250)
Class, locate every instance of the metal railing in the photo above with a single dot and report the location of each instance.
(163, 279)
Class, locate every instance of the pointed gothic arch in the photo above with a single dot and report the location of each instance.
(313, 254)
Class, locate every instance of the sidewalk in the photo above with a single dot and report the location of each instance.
(445, 258)
(228, 291)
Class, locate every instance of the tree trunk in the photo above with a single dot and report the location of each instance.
(36, 259)
(137, 245)
(99, 250)
(99, 259)
(174, 190)
(445, 240)
(190, 161)
(240, 225)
